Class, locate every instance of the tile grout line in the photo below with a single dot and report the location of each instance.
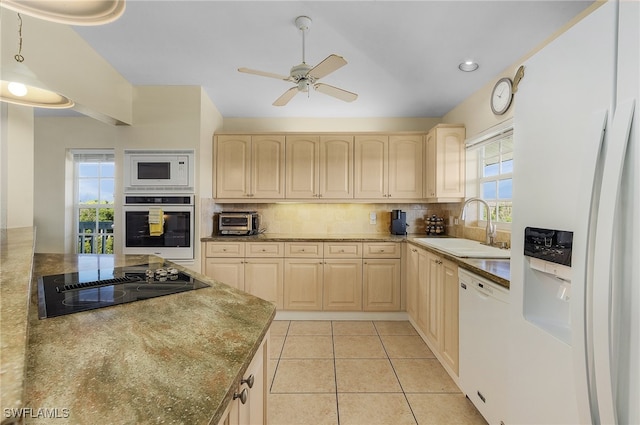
(275, 370)
(335, 372)
(404, 394)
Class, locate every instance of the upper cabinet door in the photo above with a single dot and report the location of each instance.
(406, 156)
(336, 167)
(302, 167)
(445, 178)
(233, 166)
(371, 166)
(267, 167)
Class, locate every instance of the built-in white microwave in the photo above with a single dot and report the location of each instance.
(153, 171)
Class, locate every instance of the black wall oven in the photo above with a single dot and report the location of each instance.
(161, 225)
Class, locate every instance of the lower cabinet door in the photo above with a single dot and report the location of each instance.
(303, 284)
(226, 270)
(381, 284)
(450, 335)
(249, 406)
(342, 285)
(263, 277)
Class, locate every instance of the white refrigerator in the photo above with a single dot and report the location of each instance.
(574, 332)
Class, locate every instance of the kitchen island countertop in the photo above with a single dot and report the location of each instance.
(171, 359)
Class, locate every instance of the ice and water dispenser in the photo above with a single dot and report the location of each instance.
(547, 280)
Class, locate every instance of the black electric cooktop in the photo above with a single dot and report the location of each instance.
(90, 289)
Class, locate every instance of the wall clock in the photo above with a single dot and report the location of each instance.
(501, 96)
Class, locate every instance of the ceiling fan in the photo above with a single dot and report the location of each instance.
(305, 76)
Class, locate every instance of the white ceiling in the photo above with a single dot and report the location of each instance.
(402, 56)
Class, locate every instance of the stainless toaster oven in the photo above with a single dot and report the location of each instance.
(238, 223)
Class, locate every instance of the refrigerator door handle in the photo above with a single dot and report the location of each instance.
(603, 262)
(582, 269)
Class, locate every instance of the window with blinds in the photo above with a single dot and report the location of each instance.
(494, 152)
(94, 186)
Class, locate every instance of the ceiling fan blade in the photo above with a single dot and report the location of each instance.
(341, 94)
(327, 66)
(263, 73)
(286, 97)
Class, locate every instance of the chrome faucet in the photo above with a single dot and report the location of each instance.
(491, 228)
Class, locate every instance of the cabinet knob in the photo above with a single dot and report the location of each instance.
(342, 250)
(382, 250)
(263, 250)
(224, 249)
(242, 396)
(249, 381)
(302, 250)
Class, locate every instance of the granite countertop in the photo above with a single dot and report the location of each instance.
(497, 271)
(172, 359)
(16, 255)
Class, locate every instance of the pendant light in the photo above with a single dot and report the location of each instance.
(20, 86)
(70, 12)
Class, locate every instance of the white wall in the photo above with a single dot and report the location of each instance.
(16, 167)
(65, 63)
(167, 117)
(329, 124)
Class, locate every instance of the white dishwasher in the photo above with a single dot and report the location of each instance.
(484, 316)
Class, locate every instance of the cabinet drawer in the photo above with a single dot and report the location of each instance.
(382, 250)
(264, 249)
(225, 249)
(303, 249)
(342, 250)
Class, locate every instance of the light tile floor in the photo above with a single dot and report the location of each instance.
(361, 373)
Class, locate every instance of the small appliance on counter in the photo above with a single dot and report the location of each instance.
(237, 223)
(435, 226)
(398, 222)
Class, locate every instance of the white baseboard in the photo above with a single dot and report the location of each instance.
(341, 315)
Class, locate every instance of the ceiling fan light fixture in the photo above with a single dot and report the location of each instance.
(468, 66)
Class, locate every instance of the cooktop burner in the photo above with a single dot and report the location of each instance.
(90, 289)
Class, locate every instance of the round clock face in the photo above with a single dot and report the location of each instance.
(501, 96)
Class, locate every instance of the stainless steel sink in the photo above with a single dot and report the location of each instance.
(464, 248)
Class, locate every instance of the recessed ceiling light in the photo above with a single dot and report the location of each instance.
(468, 66)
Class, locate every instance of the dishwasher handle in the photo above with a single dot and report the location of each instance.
(483, 289)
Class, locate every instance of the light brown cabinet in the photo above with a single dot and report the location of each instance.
(445, 164)
(249, 403)
(449, 346)
(312, 276)
(303, 276)
(433, 281)
(252, 267)
(250, 167)
(319, 167)
(381, 284)
(389, 167)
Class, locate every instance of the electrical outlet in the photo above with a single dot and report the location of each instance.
(373, 218)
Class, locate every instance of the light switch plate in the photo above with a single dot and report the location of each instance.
(373, 218)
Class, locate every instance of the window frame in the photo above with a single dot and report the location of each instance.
(92, 156)
(477, 144)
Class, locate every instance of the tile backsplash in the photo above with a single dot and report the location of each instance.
(349, 218)
(335, 219)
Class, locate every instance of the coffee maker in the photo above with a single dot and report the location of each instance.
(398, 222)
